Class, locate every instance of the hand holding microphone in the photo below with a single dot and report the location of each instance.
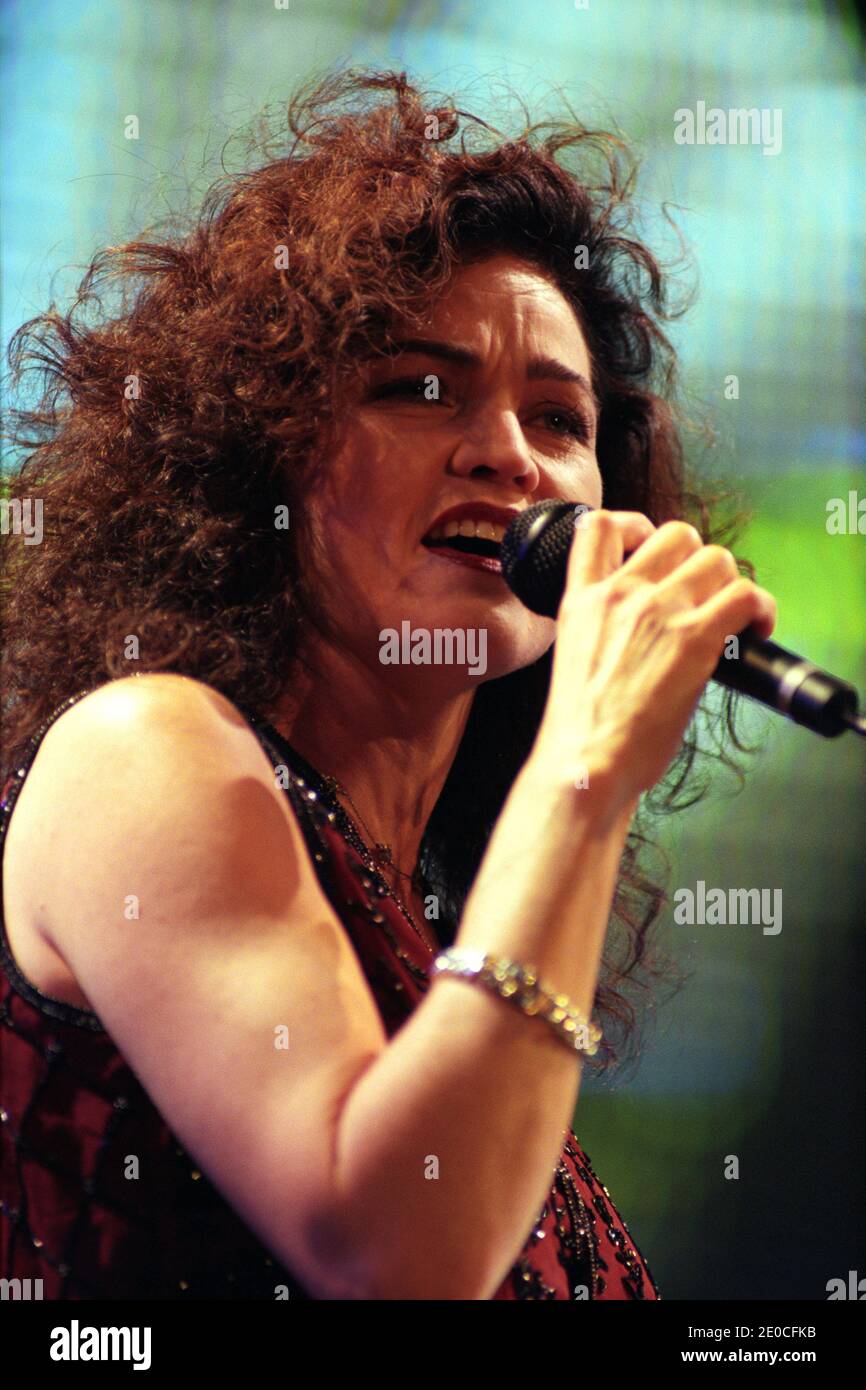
(643, 617)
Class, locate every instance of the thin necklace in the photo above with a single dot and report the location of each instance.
(381, 854)
(373, 858)
(328, 788)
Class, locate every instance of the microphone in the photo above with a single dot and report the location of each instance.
(534, 556)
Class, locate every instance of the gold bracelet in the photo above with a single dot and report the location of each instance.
(520, 985)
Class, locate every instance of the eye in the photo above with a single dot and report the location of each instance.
(419, 388)
(567, 421)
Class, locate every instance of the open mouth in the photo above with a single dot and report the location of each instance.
(474, 541)
(467, 545)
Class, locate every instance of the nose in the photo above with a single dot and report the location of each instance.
(494, 446)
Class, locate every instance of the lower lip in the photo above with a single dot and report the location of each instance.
(475, 562)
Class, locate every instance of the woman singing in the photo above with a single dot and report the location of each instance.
(251, 864)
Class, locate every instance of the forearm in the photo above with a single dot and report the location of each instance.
(448, 1141)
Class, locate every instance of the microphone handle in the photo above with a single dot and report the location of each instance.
(784, 681)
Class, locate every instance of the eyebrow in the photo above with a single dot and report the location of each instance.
(538, 369)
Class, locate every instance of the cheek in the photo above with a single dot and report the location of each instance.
(358, 521)
(378, 481)
(348, 478)
(584, 482)
(348, 514)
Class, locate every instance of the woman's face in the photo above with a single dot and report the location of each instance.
(489, 406)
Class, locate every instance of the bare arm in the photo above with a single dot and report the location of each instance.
(471, 1080)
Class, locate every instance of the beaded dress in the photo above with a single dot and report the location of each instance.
(72, 1111)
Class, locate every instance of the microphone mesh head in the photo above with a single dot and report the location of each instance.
(534, 553)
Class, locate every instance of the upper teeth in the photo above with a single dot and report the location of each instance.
(486, 530)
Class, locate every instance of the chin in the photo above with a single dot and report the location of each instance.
(516, 637)
(504, 660)
(459, 652)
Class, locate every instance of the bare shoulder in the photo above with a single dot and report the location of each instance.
(149, 726)
(151, 704)
(161, 762)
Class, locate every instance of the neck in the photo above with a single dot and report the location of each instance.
(391, 749)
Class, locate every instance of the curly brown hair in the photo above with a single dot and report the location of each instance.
(165, 434)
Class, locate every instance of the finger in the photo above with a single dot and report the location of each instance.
(602, 540)
(700, 576)
(739, 605)
(671, 544)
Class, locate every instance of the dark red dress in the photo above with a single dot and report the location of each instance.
(73, 1111)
